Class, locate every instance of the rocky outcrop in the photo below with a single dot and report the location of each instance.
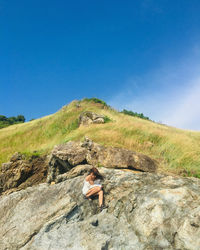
(66, 156)
(89, 117)
(145, 211)
(20, 173)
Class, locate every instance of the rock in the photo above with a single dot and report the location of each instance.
(66, 156)
(88, 117)
(16, 157)
(112, 157)
(20, 173)
(145, 211)
(78, 105)
(74, 172)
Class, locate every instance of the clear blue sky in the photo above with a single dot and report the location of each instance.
(141, 55)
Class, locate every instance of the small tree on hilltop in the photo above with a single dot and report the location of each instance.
(21, 118)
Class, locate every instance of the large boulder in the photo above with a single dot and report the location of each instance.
(145, 211)
(112, 157)
(66, 156)
(89, 117)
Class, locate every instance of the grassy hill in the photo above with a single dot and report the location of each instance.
(177, 151)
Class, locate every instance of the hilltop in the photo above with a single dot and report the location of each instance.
(176, 151)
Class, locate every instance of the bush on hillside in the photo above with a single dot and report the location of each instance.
(131, 113)
(7, 121)
(3, 124)
(107, 119)
(95, 100)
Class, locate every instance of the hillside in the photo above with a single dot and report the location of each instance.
(177, 151)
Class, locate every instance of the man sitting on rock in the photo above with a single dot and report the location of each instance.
(91, 187)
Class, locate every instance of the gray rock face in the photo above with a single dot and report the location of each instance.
(66, 156)
(145, 211)
(87, 118)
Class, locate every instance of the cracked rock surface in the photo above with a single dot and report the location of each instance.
(145, 211)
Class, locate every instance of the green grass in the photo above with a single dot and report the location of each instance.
(28, 155)
(6, 124)
(176, 151)
(107, 119)
(95, 100)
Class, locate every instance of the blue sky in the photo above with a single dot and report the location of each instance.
(140, 55)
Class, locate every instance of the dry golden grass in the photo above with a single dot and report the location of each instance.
(177, 151)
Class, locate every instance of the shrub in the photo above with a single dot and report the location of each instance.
(3, 118)
(95, 100)
(131, 113)
(4, 124)
(7, 121)
(20, 118)
(107, 119)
